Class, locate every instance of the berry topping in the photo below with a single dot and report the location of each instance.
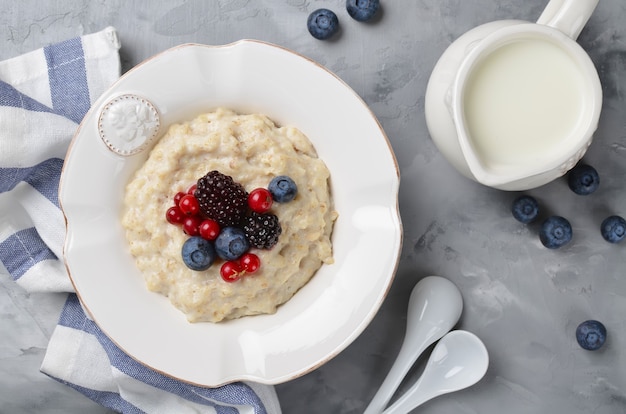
(179, 195)
(198, 254)
(218, 211)
(591, 335)
(221, 198)
(250, 262)
(262, 230)
(525, 209)
(174, 215)
(283, 189)
(322, 24)
(362, 10)
(555, 232)
(613, 229)
(260, 200)
(209, 229)
(191, 225)
(189, 205)
(231, 243)
(583, 179)
(231, 271)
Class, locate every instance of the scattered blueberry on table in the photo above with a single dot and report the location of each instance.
(591, 335)
(613, 229)
(323, 24)
(362, 10)
(583, 179)
(525, 209)
(556, 231)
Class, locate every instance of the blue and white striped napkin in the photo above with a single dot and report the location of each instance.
(44, 95)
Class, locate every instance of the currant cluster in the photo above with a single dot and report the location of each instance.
(186, 212)
(224, 221)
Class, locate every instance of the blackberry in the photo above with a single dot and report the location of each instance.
(262, 230)
(221, 198)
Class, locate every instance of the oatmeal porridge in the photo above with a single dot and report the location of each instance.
(252, 150)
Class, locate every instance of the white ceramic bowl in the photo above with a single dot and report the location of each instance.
(327, 314)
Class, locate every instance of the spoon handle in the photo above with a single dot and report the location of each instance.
(398, 370)
(410, 399)
(458, 361)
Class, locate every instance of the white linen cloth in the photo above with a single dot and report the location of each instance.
(44, 95)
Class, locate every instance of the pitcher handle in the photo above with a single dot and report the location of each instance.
(568, 16)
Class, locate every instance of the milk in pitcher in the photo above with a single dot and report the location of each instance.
(522, 102)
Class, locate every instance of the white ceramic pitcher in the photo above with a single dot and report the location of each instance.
(513, 104)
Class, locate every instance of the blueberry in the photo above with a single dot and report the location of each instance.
(613, 229)
(362, 10)
(198, 253)
(583, 179)
(525, 209)
(591, 335)
(555, 232)
(322, 24)
(231, 243)
(283, 189)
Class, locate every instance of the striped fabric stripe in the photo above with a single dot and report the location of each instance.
(68, 79)
(22, 250)
(9, 96)
(44, 177)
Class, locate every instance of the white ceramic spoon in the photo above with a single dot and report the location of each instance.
(435, 306)
(458, 361)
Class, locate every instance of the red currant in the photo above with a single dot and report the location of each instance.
(191, 225)
(177, 197)
(189, 205)
(260, 200)
(230, 271)
(250, 262)
(174, 215)
(192, 189)
(209, 229)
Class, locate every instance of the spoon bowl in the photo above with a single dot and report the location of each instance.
(459, 360)
(435, 306)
